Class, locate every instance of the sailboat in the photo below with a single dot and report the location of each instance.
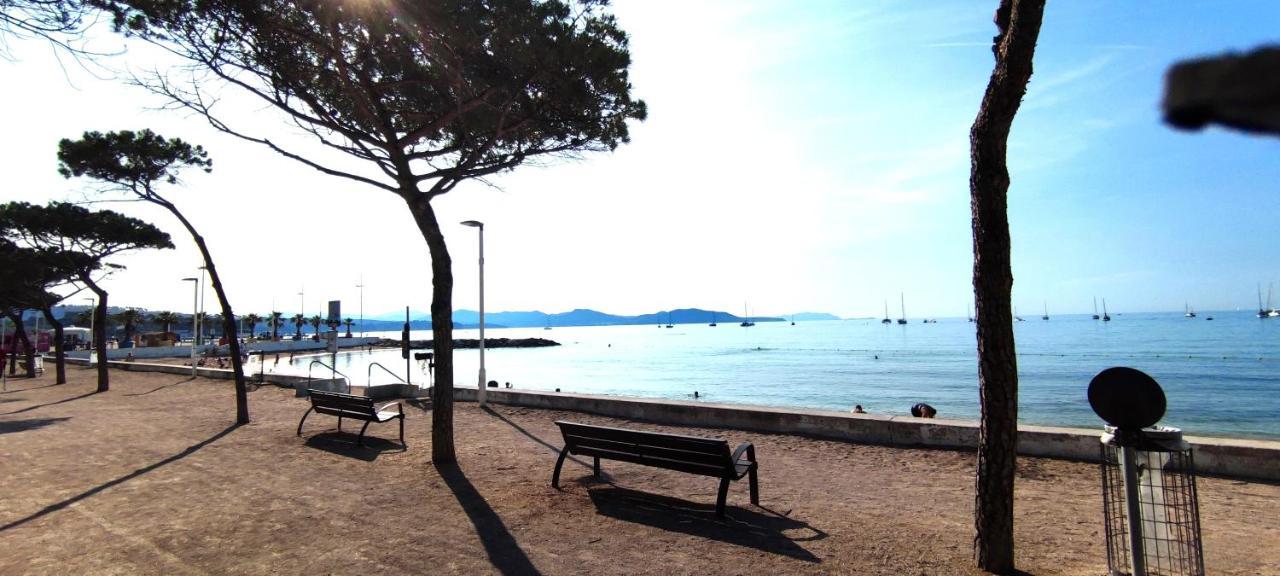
(1262, 312)
(886, 314)
(1105, 317)
(1271, 311)
(713, 319)
(746, 319)
(1187, 311)
(668, 319)
(1016, 317)
(968, 313)
(903, 301)
(548, 326)
(793, 319)
(1095, 308)
(1046, 311)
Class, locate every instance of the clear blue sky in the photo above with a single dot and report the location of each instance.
(798, 156)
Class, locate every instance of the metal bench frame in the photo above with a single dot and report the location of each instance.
(691, 454)
(349, 406)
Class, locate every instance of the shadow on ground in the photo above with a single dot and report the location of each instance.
(30, 408)
(121, 480)
(159, 388)
(345, 444)
(757, 527)
(24, 425)
(16, 390)
(549, 446)
(504, 552)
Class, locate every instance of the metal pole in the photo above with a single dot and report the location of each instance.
(361, 287)
(195, 308)
(202, 303)
(481, 394)
(93, 305)
(1137, 556)
(407, 374)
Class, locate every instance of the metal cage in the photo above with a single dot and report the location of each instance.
(1159, 515)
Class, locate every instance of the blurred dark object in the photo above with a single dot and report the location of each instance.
(1237, 91)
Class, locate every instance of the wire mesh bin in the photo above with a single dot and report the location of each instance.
(1152, 517)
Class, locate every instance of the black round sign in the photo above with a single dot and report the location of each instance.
(1126, 398)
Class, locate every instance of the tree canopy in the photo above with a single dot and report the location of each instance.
(134, 161)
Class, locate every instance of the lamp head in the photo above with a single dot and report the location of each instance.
(189, 279)
(474, 224)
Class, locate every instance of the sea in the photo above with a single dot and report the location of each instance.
(1221, 377)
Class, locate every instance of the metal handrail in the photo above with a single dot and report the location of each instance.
(331, 369)
(368, 377)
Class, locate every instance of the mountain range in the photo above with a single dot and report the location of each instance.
(579, 317)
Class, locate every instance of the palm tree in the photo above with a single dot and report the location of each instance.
(348, 324)
(252, 320)
(166, 319)
(130, 317)
(315, 327)
(276, 322)
(298, 321)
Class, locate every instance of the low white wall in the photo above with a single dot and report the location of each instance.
(281, 347)
(1254, 459)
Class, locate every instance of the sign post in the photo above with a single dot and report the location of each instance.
(331, 337)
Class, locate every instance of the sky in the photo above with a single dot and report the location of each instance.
(798, 156)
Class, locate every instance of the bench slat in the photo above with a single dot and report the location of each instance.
(713, 455)
(691, 443)
(677, 465)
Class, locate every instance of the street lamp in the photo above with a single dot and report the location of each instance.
(202, 326)
(361, 287)
(93, 306)
(302, 303)
(195, 309)
(480, 396)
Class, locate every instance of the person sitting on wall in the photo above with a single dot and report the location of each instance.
(923, 410)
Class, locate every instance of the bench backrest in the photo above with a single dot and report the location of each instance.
(706, 456)
(336, 404)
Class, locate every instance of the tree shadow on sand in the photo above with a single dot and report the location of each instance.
(555, 450)
(159, 388)
(759, 527)
(346, 444)
(24, 425)
(121, 480)
(17, 390)
(30, 408)
(504, 552)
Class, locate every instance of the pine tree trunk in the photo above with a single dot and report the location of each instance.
(442, 449)
(228, 318)
(28, 351)
(59, 355)
(99, 332)
(1019, 25)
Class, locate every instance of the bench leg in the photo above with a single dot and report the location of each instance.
(360, 440)
(755, 487)
(595, 467)
(724, 494)
(339, 423)
(555, 476)
(304, 419)
(402, 433)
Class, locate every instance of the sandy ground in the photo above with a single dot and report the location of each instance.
(150, 478)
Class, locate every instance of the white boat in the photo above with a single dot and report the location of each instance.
(746, 318)
(903, 301)
(886, 314)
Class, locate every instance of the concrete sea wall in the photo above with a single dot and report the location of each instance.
(1231, 457)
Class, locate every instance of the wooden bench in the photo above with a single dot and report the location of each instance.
(705, 456)
(354, 407)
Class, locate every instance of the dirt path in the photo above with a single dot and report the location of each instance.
(150, 478)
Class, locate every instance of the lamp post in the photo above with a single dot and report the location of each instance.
(361, 287)
(195, 309)
(480, 395)
(93, 305)
(302, 303)
(201, 325)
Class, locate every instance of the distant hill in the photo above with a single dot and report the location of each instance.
(812, 316)
(579, 317)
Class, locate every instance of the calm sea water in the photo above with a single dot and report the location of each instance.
(1221, 377)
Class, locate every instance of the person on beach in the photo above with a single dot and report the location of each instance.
(857, 409)
(923, 410)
